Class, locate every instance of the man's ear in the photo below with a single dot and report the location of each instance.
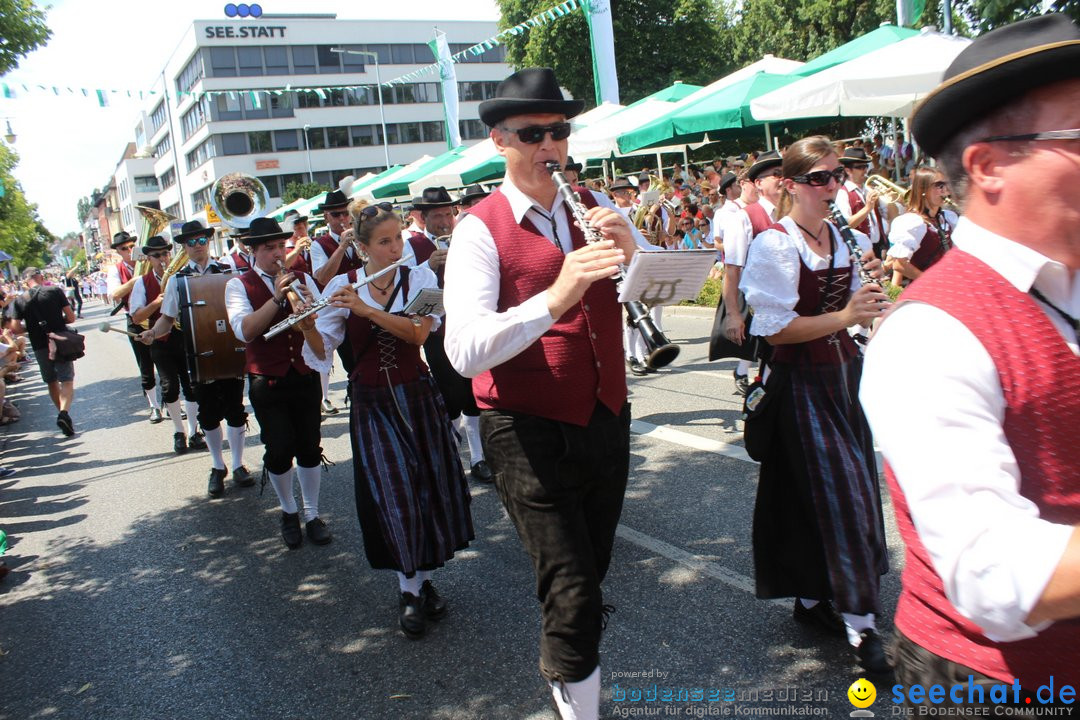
(983, 163)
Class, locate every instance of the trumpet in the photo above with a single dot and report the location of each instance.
(289, 322)
(887, 189)
(661, 351)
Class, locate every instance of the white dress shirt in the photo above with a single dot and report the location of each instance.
(137, 298)
(230, 260)
(945, 442)
(170, 306)
(844, 203)
(722, 215)
(907, 232)
(112, 280)
(331, 321)
(770, 279)
(738, 232)
(238, 305)
(478, 337)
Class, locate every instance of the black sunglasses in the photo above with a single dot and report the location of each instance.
(372, 210)
(534, 134)
(201, 240)
(859, 166)
(337, 213)
(1048, 135)
(125, 248)
(820, 178)
(158, 255)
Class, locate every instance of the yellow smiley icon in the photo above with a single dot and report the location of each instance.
(862, 693)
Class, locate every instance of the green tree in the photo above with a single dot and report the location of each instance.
(297, 190)
(22, 234)
(989, 14)
(85, 207)
(656, 43)
(22, 30)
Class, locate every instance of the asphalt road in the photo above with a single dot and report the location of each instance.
(135, 596)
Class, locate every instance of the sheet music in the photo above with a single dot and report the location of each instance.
(667, 277)
(427, 302)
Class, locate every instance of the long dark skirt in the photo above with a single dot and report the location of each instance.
(819, 532)
(412, 498)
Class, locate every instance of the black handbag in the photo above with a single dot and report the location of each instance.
(720, 347)
(66, 345)
(761, 411)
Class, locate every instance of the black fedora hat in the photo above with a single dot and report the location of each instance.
(994, 69)
(765, 161)
(433, 197)
(854, 156)
(294, 217)
(192, 229)
(264, 229)
(333, 200)
(120, 238)
(530, 91)
(474, 192)
(621, 183)
(571, 165)
(727, 181)
(156, 243)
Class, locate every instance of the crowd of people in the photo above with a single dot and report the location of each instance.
(948, 338)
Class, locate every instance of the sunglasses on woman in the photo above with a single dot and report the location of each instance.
(534, 134)
(372, 210)
(201, 240)
(820, 178)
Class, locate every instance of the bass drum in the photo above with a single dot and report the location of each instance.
(213, 352)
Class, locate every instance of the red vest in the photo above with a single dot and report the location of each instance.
(153, 289)
(930, 250)
(856, 202)
(240, 262)
(759, 218)
(1041, 386)
(126, 274)
(271, 357)
(575, 363)
(347, 263)
(422, 247)
(370, 354)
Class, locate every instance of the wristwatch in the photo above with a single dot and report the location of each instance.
(415, 320)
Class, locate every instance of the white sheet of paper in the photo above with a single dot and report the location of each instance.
(667, 277)
(428, 302)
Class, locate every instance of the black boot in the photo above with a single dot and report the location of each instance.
(434, 603)
(215, 487)
(411, 616)
(290, 530)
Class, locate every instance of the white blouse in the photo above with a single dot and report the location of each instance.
(331, 321)
(907, 232)
(770, 279)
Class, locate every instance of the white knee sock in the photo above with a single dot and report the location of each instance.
(215, 444)
(743, 368)
(236, 444)
(423, 576)
(283, 489)
(472, 435)
(174, 415)
(579, 700)
(151, 397)
(628, 341)
(192, 409)
(409, 585)
(657, 315)
(324, 378)
(855, 624)
(310, 479)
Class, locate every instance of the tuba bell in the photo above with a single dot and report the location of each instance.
(154, 221)
(238, 199)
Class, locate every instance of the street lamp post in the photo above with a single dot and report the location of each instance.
(378, 80)
(307, 147)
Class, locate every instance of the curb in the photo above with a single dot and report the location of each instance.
(690, 311)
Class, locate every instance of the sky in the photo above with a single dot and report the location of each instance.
(69, 146)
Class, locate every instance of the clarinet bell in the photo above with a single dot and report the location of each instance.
(660, 352)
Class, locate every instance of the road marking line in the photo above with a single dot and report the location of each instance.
(669, 434)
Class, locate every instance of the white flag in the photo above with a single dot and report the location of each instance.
(602, 40)
(441, 49)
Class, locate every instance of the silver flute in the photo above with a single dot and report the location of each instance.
(289, 322)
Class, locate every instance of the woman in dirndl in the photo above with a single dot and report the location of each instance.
(818, 534)
(921, 236)
(411, 495)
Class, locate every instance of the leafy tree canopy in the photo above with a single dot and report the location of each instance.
(22, 234)
(298, 190)
(22, 30)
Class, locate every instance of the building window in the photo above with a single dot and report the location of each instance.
(196, 117)
(287, 180)
(201, 154)
(303, 59)
(191, 73)
(361, 96)
(352, 63)
(329, 62)
(222, 62)
(405, 94)
(401, 54)
(146, 184)
(307, 99)
(473, 130)
(228, 108)
(200, 199)
(249, 60)
(277, 60)
(250, 110)
(423, 54)
(337, 137)
(316, 138)
(433, 131)
(409, 132)
(281, 105)
(392, 134)
(163, 147)
(272, 185)
(383, 51)
(174, 210)
(158, 117)
(234, 144)
(168, 178)
(285, 140)
(365, 135)
(260, 142)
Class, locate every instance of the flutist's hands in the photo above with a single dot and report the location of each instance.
(612, 225)
(581, 268)
(347, 298)
(281, 284)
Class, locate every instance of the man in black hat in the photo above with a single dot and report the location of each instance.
(334, 253)
(168, 350)
(533, 318)
(219, 399)
(415, 219)
(572, 171)
(119, 281)
(239, 257)
(623, 194)
(472, 195)
(981, 455)
(284, 391)
(858, 205)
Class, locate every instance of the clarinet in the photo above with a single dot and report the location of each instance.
(661, 351)
(853, 247)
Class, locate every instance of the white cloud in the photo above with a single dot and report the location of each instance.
(69, 145)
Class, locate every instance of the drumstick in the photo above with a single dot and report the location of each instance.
(106, 327)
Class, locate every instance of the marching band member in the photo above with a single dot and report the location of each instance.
(819, 532)
(538, 334)
(168, 350)
(219, 399)
(920, 237)
(858, 206)
(333, 253)
(436, 208)
(412, 498)
(239, 258)
(761, 183)
(622, 194)
(472, 195)
(119, 281)
(284, 391)
(981, 458)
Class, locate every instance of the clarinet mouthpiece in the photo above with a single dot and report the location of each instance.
(553, 166)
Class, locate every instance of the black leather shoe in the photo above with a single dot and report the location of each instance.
(742, 384)
(411, 616)
(434, 603)
(197, 441)
(179, 443)
(155, 416)
(242, 477)
(216, 487)
(317, 532)
(481, 472)
(63, 421)
(871, 653)
(637, 368)
(290, 530)
(823, 616)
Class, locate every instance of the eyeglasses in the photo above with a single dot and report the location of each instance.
(941, 185)
(126, 248)
(534, 134)
(201, 240)
(686, 223)
(1048, 135)
(858, 166)
(777, 173)
(372, 210)
(158, 255)
(820, 178)
(337, 213)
